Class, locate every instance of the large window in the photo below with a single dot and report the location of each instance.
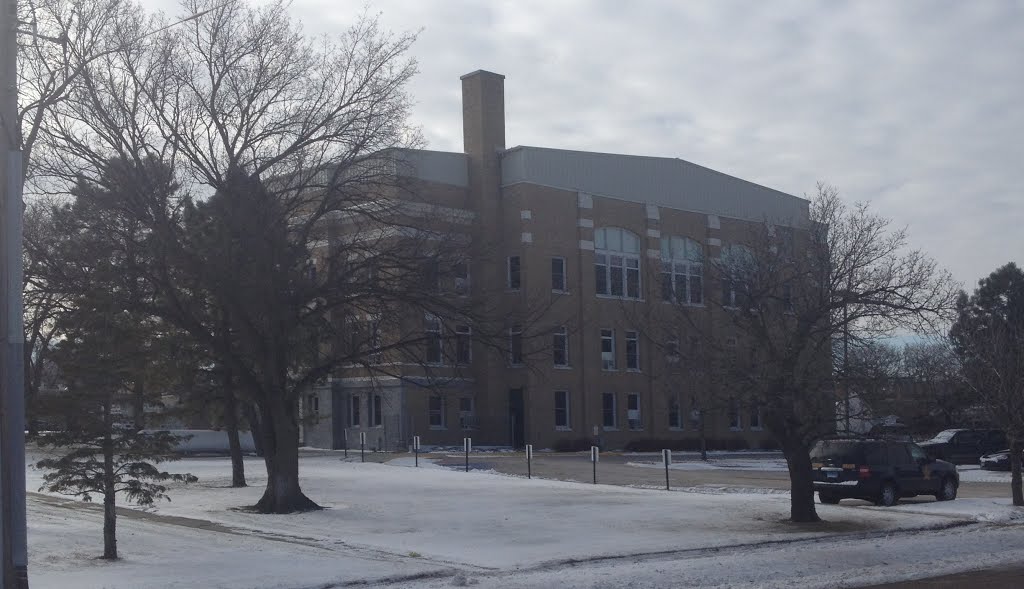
(562, 409)
(430, 276)
(558, 282)
(353, 414)
(560, 347)
(314, 404)
(617, 263)
(514, 276)
(463, 345)
(633, 414)
(461, 277)
(377, 411)
(735, 416)
(675, 413)
(608, 349)
(435, 412)
(682, 270)
(608, 415)
(755, 416)
(432, 332)
(364, 341)
(515, 345)
(736, 265)
(632, 350)
(467, 413)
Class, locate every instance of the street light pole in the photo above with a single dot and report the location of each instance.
(12, 337)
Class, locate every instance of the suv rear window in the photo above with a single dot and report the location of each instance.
(838, 452)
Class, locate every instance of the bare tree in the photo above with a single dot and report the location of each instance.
(789, 292)
(988, 335)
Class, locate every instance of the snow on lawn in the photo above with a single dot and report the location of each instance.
(64, 544)
(975, 474)
(719, 464)
(381, 520)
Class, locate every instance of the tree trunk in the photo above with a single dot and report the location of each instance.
(252, 416)
(281, 454)
(801, 483)
(1015, 476)
(109, 497)
(231, 426)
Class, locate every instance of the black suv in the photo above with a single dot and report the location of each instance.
(965, 446)
(879, 470)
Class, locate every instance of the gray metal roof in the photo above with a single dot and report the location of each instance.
(435, 166)
(666, 182)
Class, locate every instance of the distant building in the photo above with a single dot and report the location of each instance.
(601, 241)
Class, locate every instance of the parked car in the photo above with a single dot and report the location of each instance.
(882, 471)
(998, 460)
(964, 446)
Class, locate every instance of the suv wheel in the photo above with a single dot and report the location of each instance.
(828, 498)
(947, 492)
(887, 497)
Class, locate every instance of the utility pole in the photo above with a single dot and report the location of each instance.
(12, 337)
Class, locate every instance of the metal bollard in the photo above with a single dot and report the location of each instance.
(529, 460)
(666, 457)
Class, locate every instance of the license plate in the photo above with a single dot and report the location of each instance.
(833, 475)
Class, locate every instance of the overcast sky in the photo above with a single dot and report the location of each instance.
(917, 107)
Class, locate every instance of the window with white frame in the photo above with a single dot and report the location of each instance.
(515, 345)
(675, 413)
(632, 350)
(609, 418)
(432, 332)
(467, 413)
(633, 414)
(314, 404)
(682, 270)
(514, 281)
(435, 412)
(562, 410)
(737, 263)
(377, 411)
(463, 345)
(560, 347)
(755, 416)
(617, 263)
(607, 349)
(735, 416)
(353, 414)
(558, 281)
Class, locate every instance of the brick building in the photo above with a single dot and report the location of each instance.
(608, 247)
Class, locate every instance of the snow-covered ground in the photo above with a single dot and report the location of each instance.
(423, 527)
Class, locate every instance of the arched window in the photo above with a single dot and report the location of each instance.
(682, 270)
(617, 263)
(737, 263)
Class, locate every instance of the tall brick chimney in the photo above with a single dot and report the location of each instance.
(483, 113)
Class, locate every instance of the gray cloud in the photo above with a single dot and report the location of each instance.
(914, 106)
